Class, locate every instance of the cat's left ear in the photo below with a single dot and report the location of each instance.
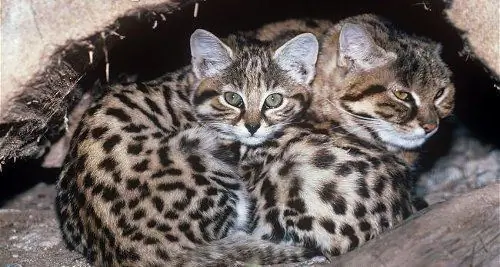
(209, 55)
(357, 49)
(298, 57)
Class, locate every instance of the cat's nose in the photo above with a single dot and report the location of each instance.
(252, 128)
(429, 127)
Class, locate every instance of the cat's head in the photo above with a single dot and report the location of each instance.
(247, 90)
(395, 86)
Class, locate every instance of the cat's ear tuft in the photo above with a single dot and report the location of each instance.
(209, 55)
(357, 49)
(298, 57)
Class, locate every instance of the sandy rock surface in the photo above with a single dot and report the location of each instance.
(30, 234)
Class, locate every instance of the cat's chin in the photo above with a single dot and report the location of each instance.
(252, 140)
(403, 141)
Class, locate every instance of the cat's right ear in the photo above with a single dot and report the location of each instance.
(358, 50)
(209, 55)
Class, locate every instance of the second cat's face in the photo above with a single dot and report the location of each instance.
(397, 92)
(249, 92)
(398, 111)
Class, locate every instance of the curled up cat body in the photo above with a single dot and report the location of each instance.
(148, 181)
(343, 176)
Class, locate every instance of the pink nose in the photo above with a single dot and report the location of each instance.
(429, 127)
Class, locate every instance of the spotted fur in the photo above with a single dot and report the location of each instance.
(365, 62)
(145, 184)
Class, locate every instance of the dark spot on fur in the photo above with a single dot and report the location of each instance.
(305, 223)
(109, 194)
(183, 227)
(200, 179)
(141, 166)
(111, 142)
(206, 203)
(380, 184)
(117, 207)
(195, 163)
(173, 171)
(359, 210)
(133, 203)
(152, 105)
(108, 164)
(384, 222)
(162, 254)
(139, 214)
(379, 208)
(171, 215)
(171, 238)
(158, 203)
(119, 114)
(137, 237)
(171, 186)
(97, 132)
(323, 159)
(343, 169)
(134, 149)
(374, 161)
(88, 181)
(297, 204)
(362, 188)
(134, 128)
(359, 166)
(163, 156)
(204, 96)
(364, 226)
(151, 223)
(211, 191)
(285, 169)
(133, 183)
(348, 231)
(328, 224)
(151, 241)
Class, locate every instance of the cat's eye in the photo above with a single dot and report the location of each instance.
(402, 95)
(439, 93)
(233, 99)
(273, 100)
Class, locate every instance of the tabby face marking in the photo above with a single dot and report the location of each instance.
(398, 93)
(250, 94)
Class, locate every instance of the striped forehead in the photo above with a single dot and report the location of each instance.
(252, 72)
(420, 68)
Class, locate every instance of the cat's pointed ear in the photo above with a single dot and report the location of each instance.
(357, 49)
(209, 55)
(298, 57)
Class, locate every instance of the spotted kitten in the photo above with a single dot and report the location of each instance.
(325, 189)
(146, 184)
(381, 84)
(333, 182)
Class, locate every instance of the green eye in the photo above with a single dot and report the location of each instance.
(402, 95)
(273, 100)
(233, 99)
